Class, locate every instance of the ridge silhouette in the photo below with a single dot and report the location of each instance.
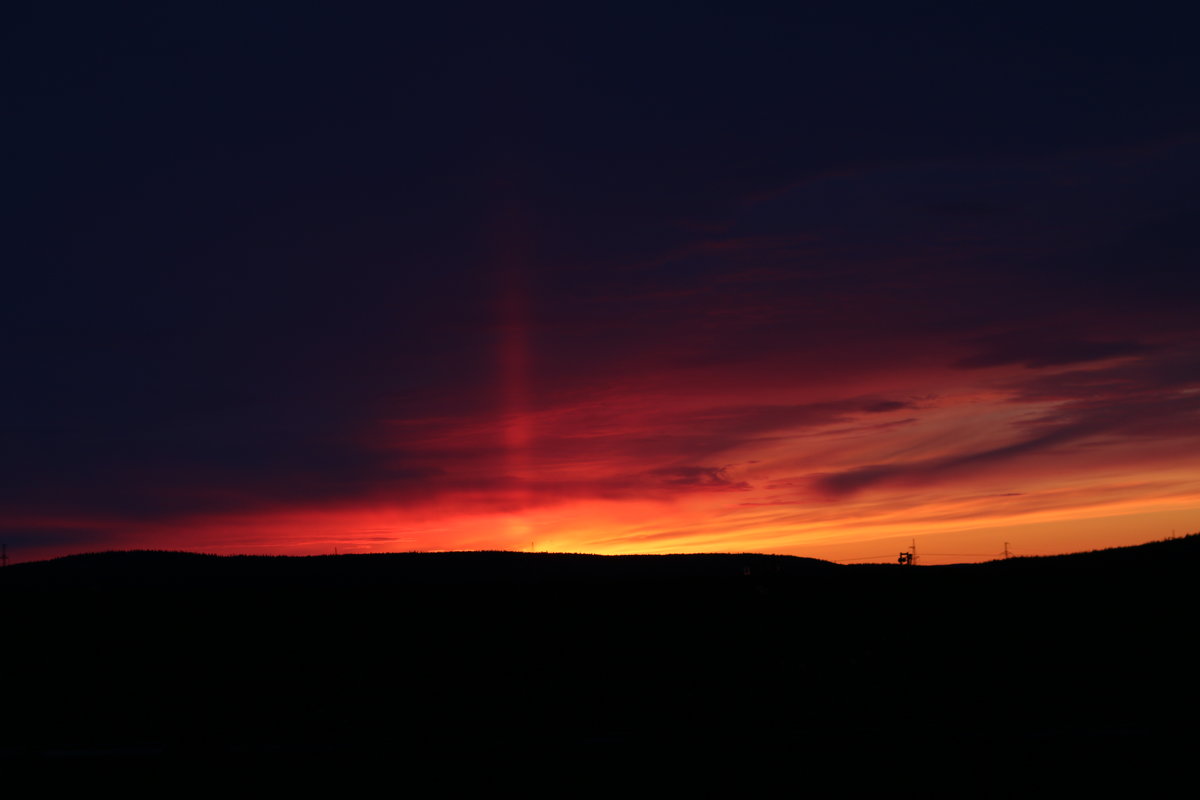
(170, 659)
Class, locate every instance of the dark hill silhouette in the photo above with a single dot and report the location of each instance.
(165, 568)
(1077, 664)
(1176, 552)
(174, 569)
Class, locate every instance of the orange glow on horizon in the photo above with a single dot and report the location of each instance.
(960, 467)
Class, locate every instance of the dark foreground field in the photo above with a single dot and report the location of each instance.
(1030, 676)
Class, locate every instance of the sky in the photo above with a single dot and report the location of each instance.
(815, 279)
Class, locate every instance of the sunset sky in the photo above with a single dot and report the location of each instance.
(817, 280)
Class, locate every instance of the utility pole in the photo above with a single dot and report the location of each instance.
(1006, 553)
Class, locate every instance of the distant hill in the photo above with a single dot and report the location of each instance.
(1165, 552)
(166, 568)
(156, 568)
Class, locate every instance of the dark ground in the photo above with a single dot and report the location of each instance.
(1030, 676)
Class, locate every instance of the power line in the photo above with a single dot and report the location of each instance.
(911, 553)
(866, 558)
(957, 554)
